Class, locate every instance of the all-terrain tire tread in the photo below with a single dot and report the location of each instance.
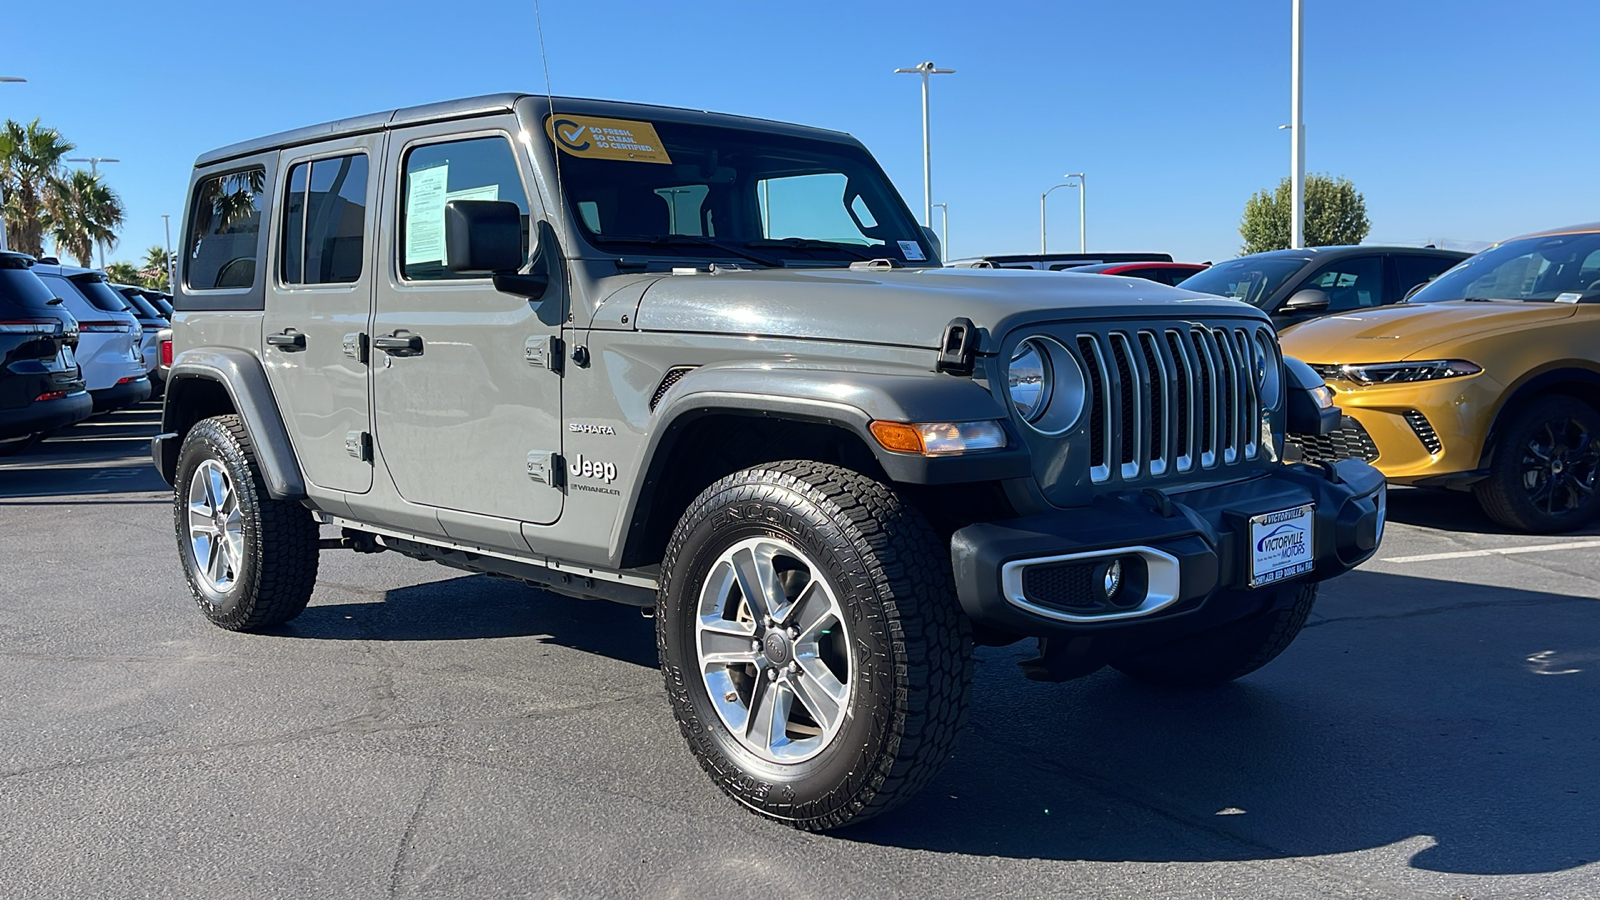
(284, 541)
(931, 637)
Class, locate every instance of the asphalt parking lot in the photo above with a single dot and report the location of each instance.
(419, 732)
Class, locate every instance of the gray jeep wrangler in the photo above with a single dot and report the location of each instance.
(710, 365)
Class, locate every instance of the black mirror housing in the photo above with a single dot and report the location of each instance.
(482, 237)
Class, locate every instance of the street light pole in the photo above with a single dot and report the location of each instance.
(1083, 209)
(6, 79)
(925, 70)
(94, 170)
(172, 264)
(1044, 246)
(1297, 162)
(944, 229)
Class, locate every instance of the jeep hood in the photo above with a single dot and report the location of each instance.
(907, 307)
(1412, 330)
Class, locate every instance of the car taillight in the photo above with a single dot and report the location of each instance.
(129, 378)
(30, 326)
(52, 395)
(166, 353)
(103, 327)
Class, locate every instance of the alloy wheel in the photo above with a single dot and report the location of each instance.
(1560, 463)
(216, 528)
(773, 650)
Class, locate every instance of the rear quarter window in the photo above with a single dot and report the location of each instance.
(225, 230)
(22, 292)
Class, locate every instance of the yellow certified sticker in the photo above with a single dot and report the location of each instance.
(596, 138)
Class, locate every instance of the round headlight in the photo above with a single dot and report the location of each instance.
(1029, 380)
(1269, 370)
(1046, 385)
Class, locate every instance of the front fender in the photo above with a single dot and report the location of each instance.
(850, 400)
(241, 375)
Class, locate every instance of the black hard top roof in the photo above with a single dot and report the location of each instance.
(490, 104)
(1310, 253)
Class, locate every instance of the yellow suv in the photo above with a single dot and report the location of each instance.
(1486, 379)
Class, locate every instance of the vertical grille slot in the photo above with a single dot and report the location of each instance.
(1160, 402)
(1131, 411)
(1250, 398)
(1205, 366)
(1099, 401)
(1183, 369)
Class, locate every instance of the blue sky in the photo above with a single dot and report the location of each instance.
(1464, 121)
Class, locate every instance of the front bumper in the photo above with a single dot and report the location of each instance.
(1427, 430)
(1193, 551)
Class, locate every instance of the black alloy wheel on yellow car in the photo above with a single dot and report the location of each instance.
(1545, 468)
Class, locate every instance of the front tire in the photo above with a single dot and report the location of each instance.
(251, 560)
(815, 656)
(1229, 651)
(1546, 463)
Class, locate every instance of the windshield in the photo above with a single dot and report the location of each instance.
(1251, 279)
(1562, 267)
(698, 191)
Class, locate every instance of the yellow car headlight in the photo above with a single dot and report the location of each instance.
(1404, 372)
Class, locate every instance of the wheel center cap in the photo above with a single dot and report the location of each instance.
(775, 646)
(1557, 465)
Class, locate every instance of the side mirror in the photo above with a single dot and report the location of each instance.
(1308, 300)
(484, 237)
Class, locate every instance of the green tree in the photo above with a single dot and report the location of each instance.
(1336, 214)
(156, 270)
(82, 212)
(30, 171)
(124, 273)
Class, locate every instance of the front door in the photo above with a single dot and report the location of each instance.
(467, 394)
(319, 295)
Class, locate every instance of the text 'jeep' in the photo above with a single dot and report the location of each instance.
(711, 366)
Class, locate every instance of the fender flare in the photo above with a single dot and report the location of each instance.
(244, 379)
(844, 399)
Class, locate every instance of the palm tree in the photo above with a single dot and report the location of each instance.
(83, 212)
(30, 169)
(156, 269)
(124, 273)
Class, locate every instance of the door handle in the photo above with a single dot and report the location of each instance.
(401, 343)
(287, 340)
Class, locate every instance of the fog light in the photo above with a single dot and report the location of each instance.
(1111, 578)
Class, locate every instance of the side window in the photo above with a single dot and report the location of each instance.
(1354, 283)
(813, 207)
(1414, 271)
(223, 232)
(324, 221)
(435, 174)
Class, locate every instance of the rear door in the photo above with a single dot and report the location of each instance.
(469, 397)
(319, 297)
(1413, 270)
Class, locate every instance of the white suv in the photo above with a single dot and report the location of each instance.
(109, 335)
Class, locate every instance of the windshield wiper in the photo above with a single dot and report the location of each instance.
(690, 240)
(796, 243)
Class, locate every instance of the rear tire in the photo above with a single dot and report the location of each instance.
(860, 646)
(1227, 652)
(251, 560)
(1546, 463)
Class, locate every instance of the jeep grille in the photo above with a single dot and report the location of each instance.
(1165, 401)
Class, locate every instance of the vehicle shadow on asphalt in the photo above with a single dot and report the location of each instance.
(475, 607)
(1449, 511)
(1456, 718)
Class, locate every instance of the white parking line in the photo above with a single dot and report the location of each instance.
(1497, 551)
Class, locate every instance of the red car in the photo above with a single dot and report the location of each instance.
(1163, 272)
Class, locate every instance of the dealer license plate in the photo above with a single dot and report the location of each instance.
(1281, 545)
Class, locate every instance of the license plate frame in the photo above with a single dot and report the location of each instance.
(1282, 545)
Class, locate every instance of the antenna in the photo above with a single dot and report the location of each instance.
(559, 213)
